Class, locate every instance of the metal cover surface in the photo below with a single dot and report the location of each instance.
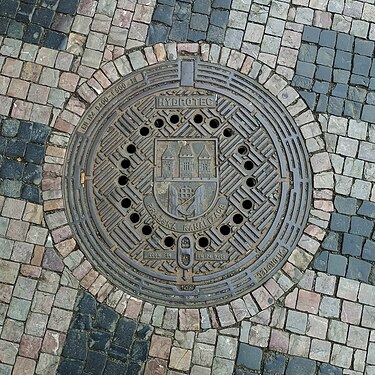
(187, 184)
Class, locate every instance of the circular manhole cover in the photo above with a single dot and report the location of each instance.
(186, 184)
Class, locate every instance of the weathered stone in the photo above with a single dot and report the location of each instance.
(180, 359)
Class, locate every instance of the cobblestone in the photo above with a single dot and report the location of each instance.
(325, 50)
(179, 21)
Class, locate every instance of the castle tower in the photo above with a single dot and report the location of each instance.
(167, 163)
(204, 163)
(186, 157)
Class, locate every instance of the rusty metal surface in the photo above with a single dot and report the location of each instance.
(186, 184)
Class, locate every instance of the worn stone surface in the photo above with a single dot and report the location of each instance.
(325, 50)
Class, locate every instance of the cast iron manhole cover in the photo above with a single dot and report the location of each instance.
(187, 184)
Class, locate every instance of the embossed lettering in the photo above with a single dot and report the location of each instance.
(271, 264)
(198, 101)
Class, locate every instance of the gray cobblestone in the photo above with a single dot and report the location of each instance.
(358, 269)
(337, 265)
(345, 205)
(296, 322)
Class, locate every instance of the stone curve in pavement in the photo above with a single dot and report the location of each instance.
(300, 258)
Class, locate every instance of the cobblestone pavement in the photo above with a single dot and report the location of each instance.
(58, 315)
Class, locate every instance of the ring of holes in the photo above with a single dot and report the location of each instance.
(198, 118)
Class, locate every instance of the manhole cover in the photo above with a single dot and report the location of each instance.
(187, 184)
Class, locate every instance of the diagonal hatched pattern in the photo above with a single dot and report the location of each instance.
(263, 189)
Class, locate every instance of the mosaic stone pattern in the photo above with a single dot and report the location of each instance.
(181, 21)
(42, 22)
(252, 360)
(22, 152)
(335, 73)
(324, 324)
(349, 248)
(100, 341)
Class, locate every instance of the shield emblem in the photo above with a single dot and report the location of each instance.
(186, 178)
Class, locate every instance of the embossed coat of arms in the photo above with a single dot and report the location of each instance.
(186, 178)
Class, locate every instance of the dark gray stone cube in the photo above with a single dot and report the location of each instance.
(368, 252)
(343, 60)
(274, 364)
(321, 87)
(331, 242)
(321, 261)
(199, 22)
(302, 82)
(224, 4)
(370, 99)
(327, 38)
(352, 245)
(249, 357)
(322, 103)
(301, 366)
(202, 6)
(361, 227)
(163, 14)
(324, 73)
(336, 106)
(358, 270)
(372, 71)
(157, 33)
(353, 109)
(95, 362)
(361, 65)
(356, 79)
(106, 318)
(357, 94)
(311, 34)
(341, 76)
(326, 369)
(337, 265)
(340, 90)
(215, 34)
(12, 169)
(179, 31)
(196, 36)
(364, 47)
(368, 113)
(325, 56)
(219, 18)
(76, 345)
(345, 42)
(367, 209)
(310, 98)
(10, 128)
(346, 205)
(305, 69)
(308, 53)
